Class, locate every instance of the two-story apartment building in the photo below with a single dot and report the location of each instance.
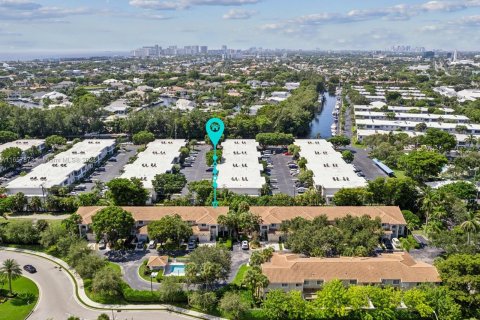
(393, 222)
(294, 272)
(204, 220)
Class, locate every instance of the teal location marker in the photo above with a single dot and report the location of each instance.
(215, 129)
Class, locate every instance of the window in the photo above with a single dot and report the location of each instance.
(298, 284)
(306, 282)
(140, 222)
(319, 282)
(284, 285)
(396, 281)
(353, 281)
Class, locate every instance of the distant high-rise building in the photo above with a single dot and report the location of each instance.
(455, 55)
(224, 48)
(429, 54)
(203, 49)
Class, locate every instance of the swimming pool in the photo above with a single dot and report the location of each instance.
(175, 269)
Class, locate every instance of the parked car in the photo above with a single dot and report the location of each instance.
(102, 245)
(396, 243)
(152, 244)
(29, 268)
(210, 169)
(360, 174)
(80, 187)
(112, 159)
(301, 190)
(187, 164)
(140, 246)
(388, 245)
(293, 166)
(244, 245)
(287, 153)
(192, 245)
(101, 169)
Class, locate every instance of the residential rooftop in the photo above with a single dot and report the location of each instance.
(270, 215)
(240, 169)
(292, 268)
(158, 158)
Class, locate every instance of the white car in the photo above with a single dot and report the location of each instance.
(396, 243)
(245, 245)
(152, 244)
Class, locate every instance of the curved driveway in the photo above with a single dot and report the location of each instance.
(58, 300)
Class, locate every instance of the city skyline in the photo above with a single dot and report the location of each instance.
(42, 27)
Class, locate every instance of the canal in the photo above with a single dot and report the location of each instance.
(322, 123)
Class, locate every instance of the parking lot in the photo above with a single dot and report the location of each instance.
(362, 162)
(112, 169)
(198, 170)
(280, 179)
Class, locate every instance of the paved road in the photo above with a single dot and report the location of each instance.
(281, 173)
(239, 257)
(130, 270)
(58, 301)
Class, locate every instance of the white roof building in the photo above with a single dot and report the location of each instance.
(64, 169)
(24, 145)
(330, 172)
(414, 117)
(118, 106)
(240, 170)
(185, 105)
(399, 109)
(159, 157)
(390, 125)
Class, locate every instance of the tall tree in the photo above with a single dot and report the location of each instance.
(127, 192)
(171, 228)
(256, 281)
(113, 222)
(471, 224)
(11, 269)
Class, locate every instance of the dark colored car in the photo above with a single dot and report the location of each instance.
(192, 245)
(29, 268)
(388, 245)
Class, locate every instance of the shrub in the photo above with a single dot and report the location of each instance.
(159, 277)
(132, 295)
(229, 244)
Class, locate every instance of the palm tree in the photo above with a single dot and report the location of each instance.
(429, 204)
(471, 140)
(11, 269)
(471, 224)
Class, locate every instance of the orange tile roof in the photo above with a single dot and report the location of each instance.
(291, 268)
(269, 215)
(157, 261)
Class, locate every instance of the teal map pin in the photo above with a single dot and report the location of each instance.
(215, 129)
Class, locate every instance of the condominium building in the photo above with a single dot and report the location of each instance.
(64, 169)
(240, 170)
(159, 157)
(330, 172)
(308, 275)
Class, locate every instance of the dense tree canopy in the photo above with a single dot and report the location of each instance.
(113, 223)
(127, 192)
(169, 228)
(349, 236)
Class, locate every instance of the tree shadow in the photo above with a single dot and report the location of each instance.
(23, 299)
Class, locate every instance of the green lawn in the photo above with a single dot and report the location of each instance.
(114, 267)
(399, 173)
(239, 276)
(20, 306)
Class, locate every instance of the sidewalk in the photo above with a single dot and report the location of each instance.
(83, 299)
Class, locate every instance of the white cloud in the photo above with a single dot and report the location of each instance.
(26, 10)
(239, 14)
(185, 4)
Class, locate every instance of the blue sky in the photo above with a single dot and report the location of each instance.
(121, 25)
